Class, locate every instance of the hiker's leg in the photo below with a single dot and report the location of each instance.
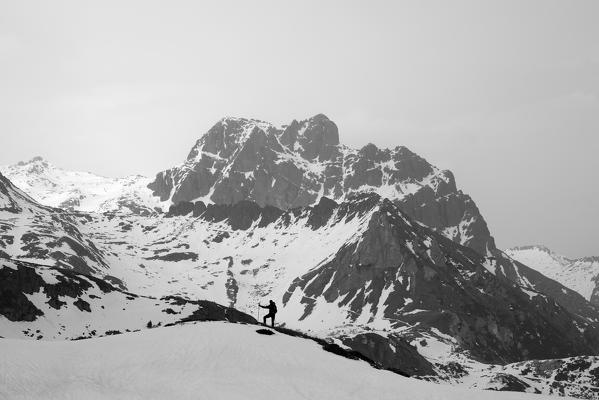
(264, 320)
(272, 320)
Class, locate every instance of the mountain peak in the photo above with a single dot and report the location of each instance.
(34, 160)
(320, 131)
(243, 121)
(538, 247)
(36, 165)
(319, 117)
(295, 165)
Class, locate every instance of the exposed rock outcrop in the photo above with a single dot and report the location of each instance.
(298, 164)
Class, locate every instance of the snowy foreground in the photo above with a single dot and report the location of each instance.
(210, 360)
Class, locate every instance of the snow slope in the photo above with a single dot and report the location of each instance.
(201, 259)
(580, 275)
(49, 303)
(80, 191)
(32, 232)
(212, 360)
(291, 257)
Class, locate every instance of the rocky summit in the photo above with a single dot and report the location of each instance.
(297, 164)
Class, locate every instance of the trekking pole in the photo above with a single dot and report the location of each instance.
(258, 312)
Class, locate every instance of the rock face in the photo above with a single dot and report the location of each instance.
(393, 353)
(297, 164)
(406, 274)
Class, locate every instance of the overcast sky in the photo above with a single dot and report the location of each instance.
(504, 93)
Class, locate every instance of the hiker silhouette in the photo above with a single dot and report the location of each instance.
(272, 310)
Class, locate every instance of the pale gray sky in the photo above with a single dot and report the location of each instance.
(504, 93)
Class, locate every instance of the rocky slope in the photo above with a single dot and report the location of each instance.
(576, 377)
(580, 275)
(297, 164)
(30, 231)
(43, 302)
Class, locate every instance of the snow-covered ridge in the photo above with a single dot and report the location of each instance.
(49, 303)
(80, 191)
(212, 360)
(580, 275)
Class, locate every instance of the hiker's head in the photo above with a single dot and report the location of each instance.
(271, 302)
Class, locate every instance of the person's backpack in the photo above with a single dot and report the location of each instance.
(274, 308)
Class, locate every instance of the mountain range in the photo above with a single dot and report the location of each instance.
(579, 274)
(376, 249)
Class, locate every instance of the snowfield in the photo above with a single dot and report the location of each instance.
(210, 360)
